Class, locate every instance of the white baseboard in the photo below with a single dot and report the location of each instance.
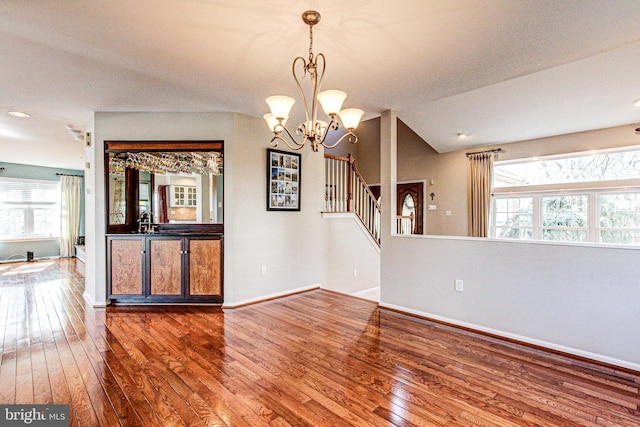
(539, 343)
(93, 303)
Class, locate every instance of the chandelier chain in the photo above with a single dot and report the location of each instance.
(310, 43)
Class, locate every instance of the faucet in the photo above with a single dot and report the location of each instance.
(144, 222)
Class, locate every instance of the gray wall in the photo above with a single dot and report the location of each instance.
(418, 161)
(366, 151)
(17, 251)
(575, 298)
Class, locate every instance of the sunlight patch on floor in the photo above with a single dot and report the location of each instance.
(372, 294)
(32, 267)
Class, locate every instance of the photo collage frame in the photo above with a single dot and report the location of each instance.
(283, 180)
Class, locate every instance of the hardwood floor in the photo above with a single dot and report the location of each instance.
(317, 358)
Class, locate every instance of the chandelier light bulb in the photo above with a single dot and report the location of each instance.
(280, 105)
(272, 121)
(351, 117)
(331, 101)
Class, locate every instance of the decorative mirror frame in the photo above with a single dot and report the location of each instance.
(132, 187)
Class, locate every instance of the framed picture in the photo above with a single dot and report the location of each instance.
(283, 180)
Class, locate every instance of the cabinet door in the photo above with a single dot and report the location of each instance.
(165, 266)
(125, 262)
(205, 267)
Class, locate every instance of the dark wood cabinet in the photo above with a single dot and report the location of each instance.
(126, 266)
(205, 268)
(165, 268)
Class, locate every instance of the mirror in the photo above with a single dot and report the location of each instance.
(186, 198)
(166, 187)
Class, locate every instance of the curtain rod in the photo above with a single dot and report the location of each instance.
(66, 174)
(495, 150)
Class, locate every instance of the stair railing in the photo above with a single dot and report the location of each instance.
(347, 191)
(405, 224)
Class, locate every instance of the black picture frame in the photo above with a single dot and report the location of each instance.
(283, 180)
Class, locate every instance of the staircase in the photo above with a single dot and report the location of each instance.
(346, 191)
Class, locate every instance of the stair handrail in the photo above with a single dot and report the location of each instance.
(371, 220)
(400, 221)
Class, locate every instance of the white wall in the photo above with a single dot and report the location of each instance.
(575, 298)
(133, 127)
(290, 244)
(349, 248)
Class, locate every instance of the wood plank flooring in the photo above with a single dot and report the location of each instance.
(313, 359)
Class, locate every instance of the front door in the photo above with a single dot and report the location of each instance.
(410, 198)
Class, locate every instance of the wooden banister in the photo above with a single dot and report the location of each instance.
(347, 191)
(334, 157)
(401, 222)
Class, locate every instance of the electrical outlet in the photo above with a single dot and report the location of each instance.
(355, 273)
(264, 270)
(459, 285)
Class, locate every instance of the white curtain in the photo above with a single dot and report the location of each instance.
(480, 182)
(71, 187)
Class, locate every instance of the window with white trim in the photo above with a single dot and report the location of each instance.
(29, 209)
(579, 198)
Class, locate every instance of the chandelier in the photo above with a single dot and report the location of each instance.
(313, 130)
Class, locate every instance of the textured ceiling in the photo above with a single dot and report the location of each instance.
(500, 71)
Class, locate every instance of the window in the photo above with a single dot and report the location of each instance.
(29, 209)
(584, 198)
(183, 196)
(514, 218)
(564, 217)
(619, 219)
(579, 168)
(407, 218)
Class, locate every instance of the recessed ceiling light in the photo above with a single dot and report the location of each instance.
(21, 114)
(636, 103)
(462, 135)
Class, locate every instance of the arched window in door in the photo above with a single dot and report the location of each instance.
(406, 220)
(408, 206)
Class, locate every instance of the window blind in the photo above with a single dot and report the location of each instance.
(29, 191)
